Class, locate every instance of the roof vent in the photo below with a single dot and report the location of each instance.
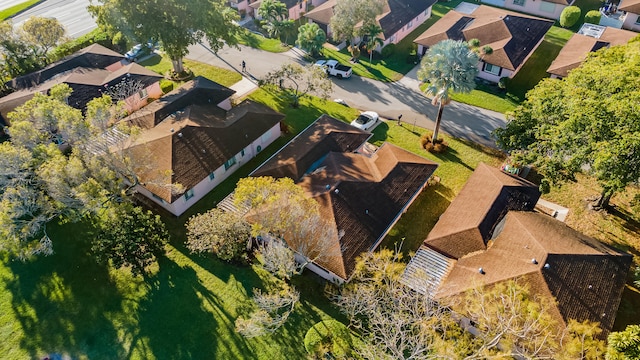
(336, 191)
(179, 134)
(204, 151)
(481, 271)
(590, 286)
(366, 211)
(327, 186)
(547, 266)
(534, 261)
(172, 130)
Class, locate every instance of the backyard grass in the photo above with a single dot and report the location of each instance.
(161, 65)
(14, 10)
(535, 69)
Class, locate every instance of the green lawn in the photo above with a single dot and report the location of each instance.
(9, 12)
(162, 65)
(535, 69)
(260, 42)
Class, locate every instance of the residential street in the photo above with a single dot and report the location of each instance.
(388, 99)
(72, 14)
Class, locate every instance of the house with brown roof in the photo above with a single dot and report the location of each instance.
(631, 14)
(193, 139)
(546, 8)
(89, 72)
(361, 189)
(297, 8)
(512, 36)
(588, 39)
(489, 234)
(398, 19)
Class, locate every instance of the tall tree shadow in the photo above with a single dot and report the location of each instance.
(63, 302)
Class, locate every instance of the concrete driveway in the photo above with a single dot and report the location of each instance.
(387, 99)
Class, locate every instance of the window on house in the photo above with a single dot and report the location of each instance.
(212, 176)
(638, 20)
(188, 195)
(143, 93)
(229, 163)
(266, 137)
(410, 24)
(242, 152)
(492, 69)
(519, 2)
(547, 7)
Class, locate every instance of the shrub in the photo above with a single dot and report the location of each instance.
(438, 147)
(388, 50)
(503, 82)
(166, 85)
(96, 36)
(570, 16)
(593, 17)
(328, 337)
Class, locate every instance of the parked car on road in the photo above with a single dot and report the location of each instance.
(138, 51)
(366, 120)
(334, 68)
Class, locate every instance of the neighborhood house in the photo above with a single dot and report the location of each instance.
(90, 72)
(546, 8)
(588, 39)
(513, 37)
(193, 139)
(398, 19)
(361, 189)
(501, 238)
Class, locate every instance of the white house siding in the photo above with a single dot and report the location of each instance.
(534, 7)
(631, 22)
(324, 273)
(180, 205)
(491, 77)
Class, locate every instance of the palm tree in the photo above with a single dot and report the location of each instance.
(311, 38)
(273, 10)
(448, 66)
(371, 32)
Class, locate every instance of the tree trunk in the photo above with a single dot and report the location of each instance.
(603, 201)
(178, 68)
(436, 128)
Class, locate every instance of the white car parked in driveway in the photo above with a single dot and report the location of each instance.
(365, 120)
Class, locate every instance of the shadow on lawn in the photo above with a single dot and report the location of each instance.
(180, 318)
(63, 301)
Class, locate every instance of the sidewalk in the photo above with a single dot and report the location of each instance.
(243, 88)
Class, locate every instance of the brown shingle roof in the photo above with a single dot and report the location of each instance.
(200, 91)
(87, 84)
(463, 229)
(632, 6)
(585, 276)
(325, 135)
(187, 146)
(365, 196)
(575, 51)
(322, 13)
(512, 36)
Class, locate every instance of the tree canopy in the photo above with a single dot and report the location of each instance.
(221, 233)
(58, 164)
(175, 23)
(297, 81)
(347, 14)
(311, 38)
(448, 66)
(587, 122)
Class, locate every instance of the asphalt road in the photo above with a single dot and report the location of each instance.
(72, 14)
(388, 99)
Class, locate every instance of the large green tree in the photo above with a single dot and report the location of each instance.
(16, 53)
(587, 122)
(448, 66)
(349, 15)
(175, 23)
(224, 234)
(311, 38)
(624, 345)
(58, 165)
(44, 33)
(297, 81)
